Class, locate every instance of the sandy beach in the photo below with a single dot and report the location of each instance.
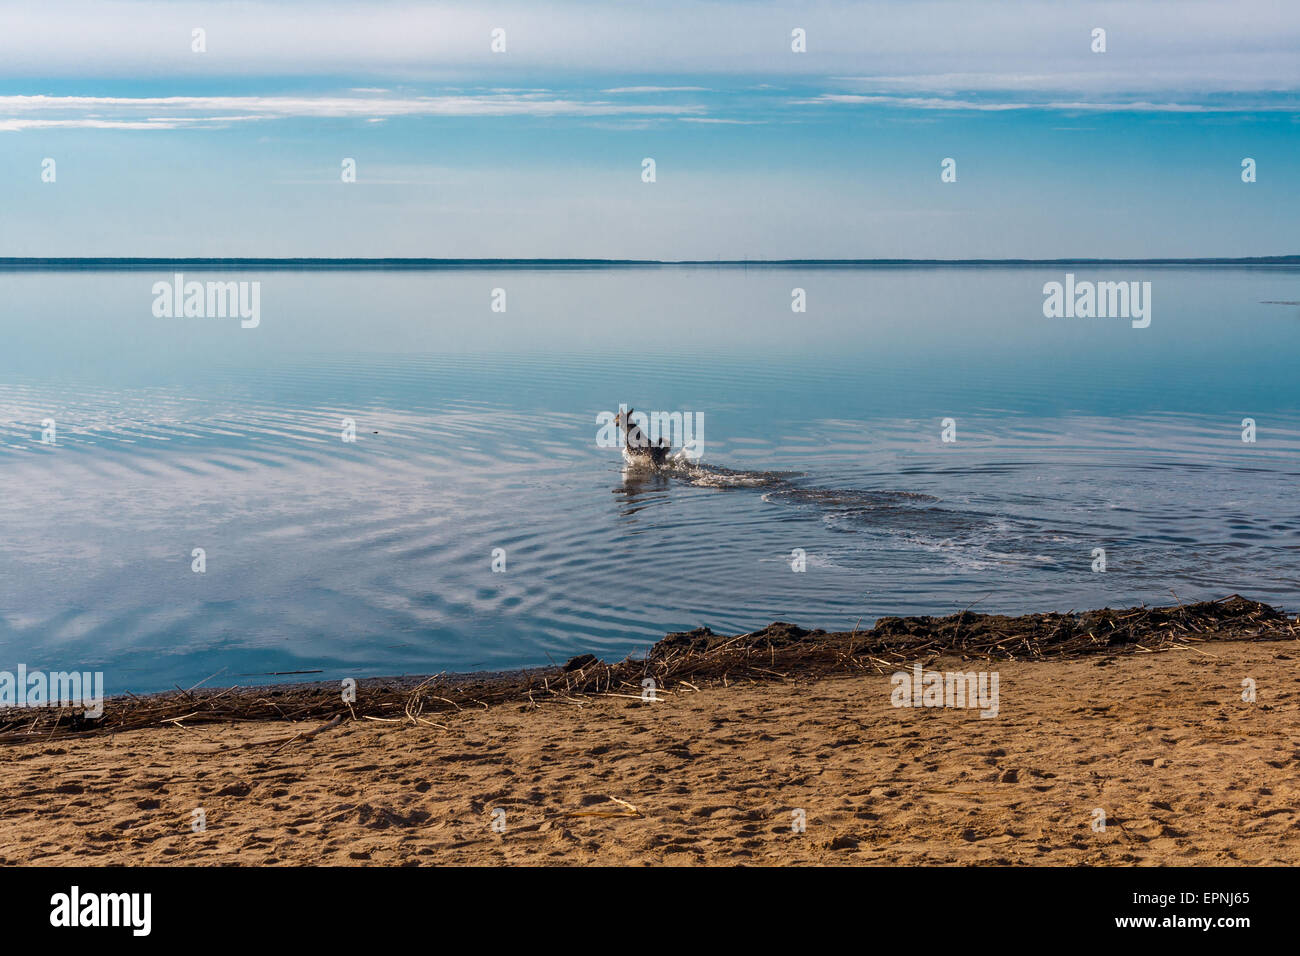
(1185, 771)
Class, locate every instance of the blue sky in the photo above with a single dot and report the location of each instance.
(760, 151)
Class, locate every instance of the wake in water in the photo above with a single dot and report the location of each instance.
(891, 519)
(777, 485)
(913, 520)
(699, 474)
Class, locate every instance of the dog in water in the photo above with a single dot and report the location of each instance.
(637, 448)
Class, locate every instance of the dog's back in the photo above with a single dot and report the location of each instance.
(637, 448)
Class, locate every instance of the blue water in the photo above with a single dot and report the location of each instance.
(476, 430)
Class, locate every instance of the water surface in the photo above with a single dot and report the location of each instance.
(476, 430)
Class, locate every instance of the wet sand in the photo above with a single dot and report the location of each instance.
(1162, 743)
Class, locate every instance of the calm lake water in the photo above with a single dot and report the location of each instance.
(477, 430)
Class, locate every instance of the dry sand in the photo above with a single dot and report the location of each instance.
(1186, 772)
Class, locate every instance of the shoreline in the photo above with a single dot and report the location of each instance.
(1114, 758)
(422, 264)
(779, 651)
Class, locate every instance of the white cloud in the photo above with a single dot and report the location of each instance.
(719, 121)
(172, 112)
(921, 46)
(1118, 105)
(657, 89)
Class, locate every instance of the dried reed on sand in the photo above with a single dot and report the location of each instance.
(685, 661)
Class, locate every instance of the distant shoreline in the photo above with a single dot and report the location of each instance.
(134, 263)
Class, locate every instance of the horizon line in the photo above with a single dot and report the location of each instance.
(345, 263)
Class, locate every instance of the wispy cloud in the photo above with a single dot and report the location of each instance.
(993, 105)
(935, 47)
(174, 112)
(657, 89)
(1259, 72)
(717, 120)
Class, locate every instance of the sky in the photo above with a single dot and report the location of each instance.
(538, 150)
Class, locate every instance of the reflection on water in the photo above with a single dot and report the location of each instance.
(475, 432)
(638, 487)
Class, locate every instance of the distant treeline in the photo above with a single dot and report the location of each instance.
(358, 264)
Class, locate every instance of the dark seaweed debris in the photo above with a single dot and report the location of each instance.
(689, 659)
(1012, 638)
